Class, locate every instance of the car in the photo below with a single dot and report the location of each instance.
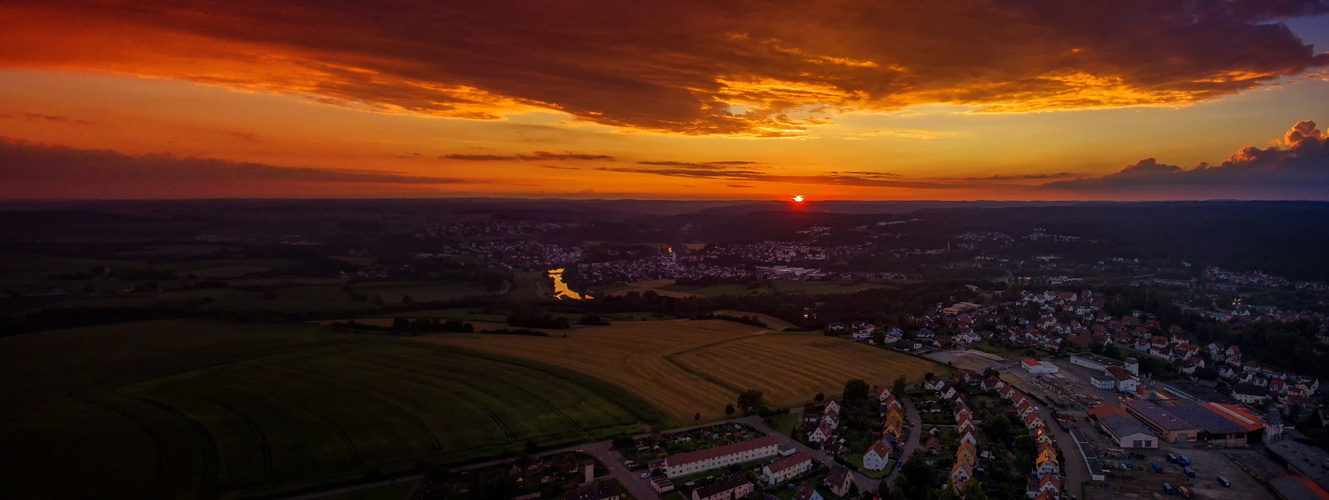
(1223, 481)
(645, 475)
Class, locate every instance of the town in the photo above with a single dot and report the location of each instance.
(930, 355)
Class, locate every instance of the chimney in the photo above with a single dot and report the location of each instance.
(590, 472)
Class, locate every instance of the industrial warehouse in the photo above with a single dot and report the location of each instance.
(1181, 420)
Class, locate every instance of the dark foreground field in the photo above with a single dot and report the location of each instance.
(199, 409)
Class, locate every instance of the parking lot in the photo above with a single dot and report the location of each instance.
(1208, 463)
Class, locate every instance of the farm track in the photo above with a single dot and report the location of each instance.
(209, 461)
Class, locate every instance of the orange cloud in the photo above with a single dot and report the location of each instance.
(774, 69)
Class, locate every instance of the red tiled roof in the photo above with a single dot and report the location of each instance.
(789, 462)
(881, 449)
(719, 451)
(1050, 479)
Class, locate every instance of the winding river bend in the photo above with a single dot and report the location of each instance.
(561, 290)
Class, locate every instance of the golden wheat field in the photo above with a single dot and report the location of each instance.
(791, 369)
(771, 322)
(685, 367)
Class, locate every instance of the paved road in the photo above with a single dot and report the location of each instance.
(641, 488)
(915, 436)
(865, 484)
(1074, 472)
(602, 451)
(350, 489)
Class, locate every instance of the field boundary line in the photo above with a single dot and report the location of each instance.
(703, 375)
(623, 398)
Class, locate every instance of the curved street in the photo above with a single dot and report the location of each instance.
(915, 436)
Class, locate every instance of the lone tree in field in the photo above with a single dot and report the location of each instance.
(900, 384)
(820, 397)
(697, 416)
(729, 409)
(750, 400)
(856, 391)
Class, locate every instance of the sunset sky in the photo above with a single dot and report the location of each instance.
(851, 99)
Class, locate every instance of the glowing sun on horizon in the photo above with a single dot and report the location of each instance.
(798, 199)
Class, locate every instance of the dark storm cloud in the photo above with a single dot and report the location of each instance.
(27, 168)
(840, 179)
(695, 67)
(536, 156)
(1058, 175)
(704, 165)
(32, 117)
(1299, 169)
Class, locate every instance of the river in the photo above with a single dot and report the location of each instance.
(561, 289)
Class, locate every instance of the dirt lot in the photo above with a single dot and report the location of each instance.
(1137, 484)
(1074, 379)
(1143, 482)
(1208, 463)
(1253, 462)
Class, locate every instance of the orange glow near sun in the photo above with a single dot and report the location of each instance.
(798, 199)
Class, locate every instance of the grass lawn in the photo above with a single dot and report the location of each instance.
(530, 286)
(784, 424)
(876, 474)
(193, 408)
(1009, 354)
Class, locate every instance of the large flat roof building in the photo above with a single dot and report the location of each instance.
(1196, 392)
(1297, 488)
(1094, 361)
(1304, 460)
(1128, 432)
(1181, 420)
(1168, 426)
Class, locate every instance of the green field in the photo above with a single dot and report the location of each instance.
(529, 286)
(296, 299)
(393, 293)
(190, 409)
